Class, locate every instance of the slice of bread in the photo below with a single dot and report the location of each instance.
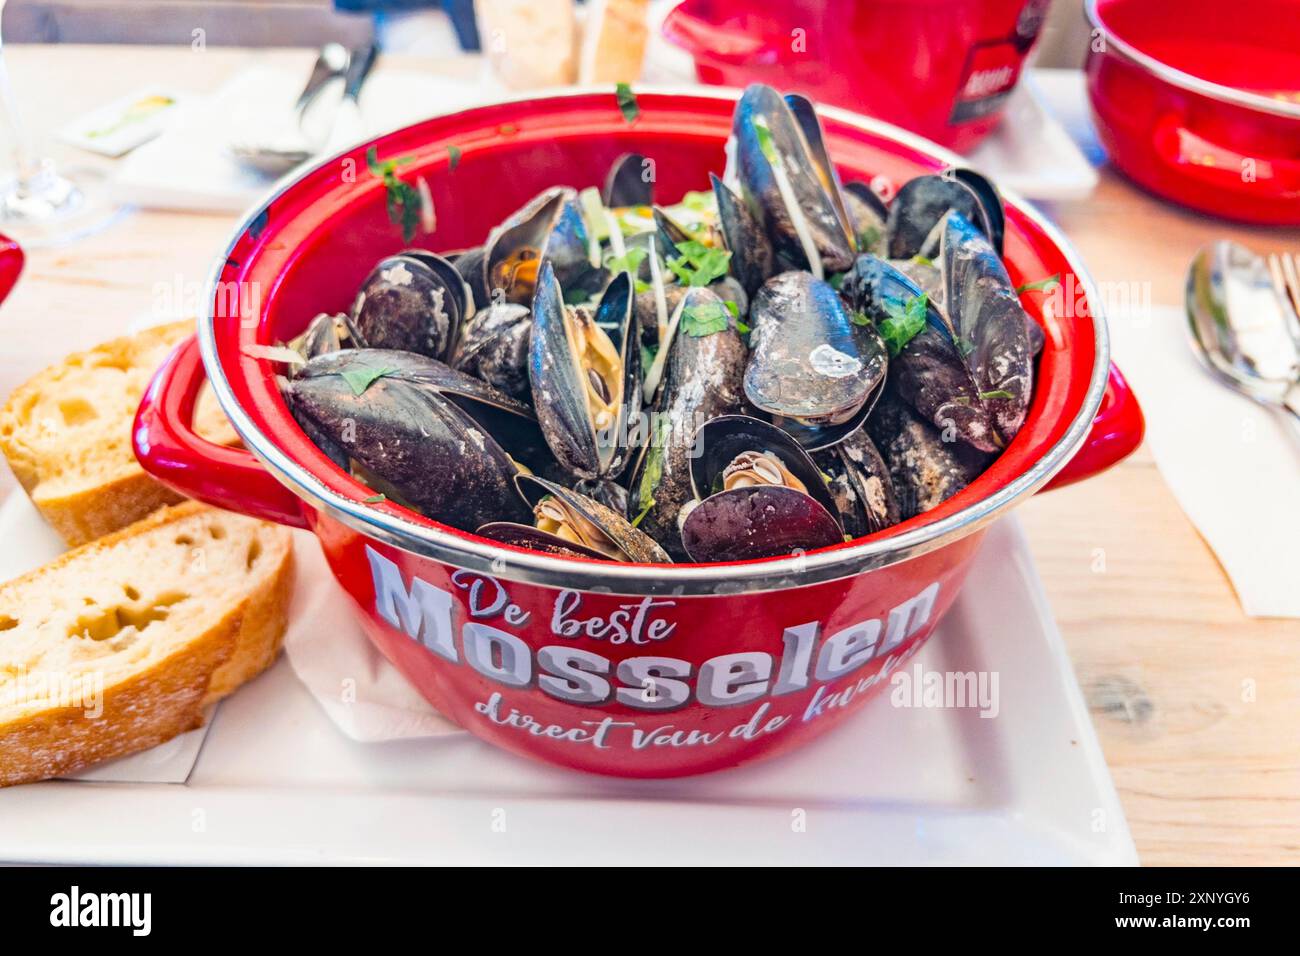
(67, 435)
(120, 645)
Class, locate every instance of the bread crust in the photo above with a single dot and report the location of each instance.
(142, 709)
(114, 501)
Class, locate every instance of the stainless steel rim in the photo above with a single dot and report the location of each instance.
(773, 574)
(1186, 81)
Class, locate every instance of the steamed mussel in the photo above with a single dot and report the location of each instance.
(775, 364)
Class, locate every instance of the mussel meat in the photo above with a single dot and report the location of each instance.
(757, 495)
(570, 523)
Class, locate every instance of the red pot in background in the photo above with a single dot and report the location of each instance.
(634, 670)
(1199, 101)
(941, 68)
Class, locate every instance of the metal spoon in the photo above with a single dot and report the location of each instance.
(1239, 329)
(275, 158)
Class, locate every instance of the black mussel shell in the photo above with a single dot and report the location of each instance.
(860, 485)
(764, 521)
(930, 371)
(560, 389)
(414, 302)
(633, 545)
(413, 439)
(719, 440)
(549, 228)
(511, 423)
(822, 212)
(669, 234)
(752, 258)
(494, 347)
(812, 367)
(629, 182)
(985, 311)
(609, 493)
(869, 216)
(703, 379)
(806, 116)
(994, 222)
(925, 469)
(325, 333)
(920, 206)
(470, 266)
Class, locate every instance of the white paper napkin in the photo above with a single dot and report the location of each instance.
(356, 685)
(1233, 465)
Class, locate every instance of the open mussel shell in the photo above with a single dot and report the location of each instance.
(721, 440)
(409, 435)
(925, 470)
(985, 312)
(414, 301)
(764, 521)
(493, 346)
(812, 368)
(325, 333)
(994, 223)
(805, 207)
(583, 526)
(921, 204)
(628, 183)
(752, 258)
(469, 264)
(860, 485)
(931, 370)
(549, 228)
(869, 216)
(806, 116)
(586, 386)
(703, 379)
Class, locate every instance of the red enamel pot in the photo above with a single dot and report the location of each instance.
(941, 68)
(634, 670)
(1199, 101)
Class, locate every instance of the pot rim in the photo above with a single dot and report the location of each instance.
(1183, 80)
(640, 579)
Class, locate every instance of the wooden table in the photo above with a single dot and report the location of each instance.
(1207, 775)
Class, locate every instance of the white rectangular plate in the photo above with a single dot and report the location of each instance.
(276, 782)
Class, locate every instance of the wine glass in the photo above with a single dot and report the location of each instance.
(39, 205)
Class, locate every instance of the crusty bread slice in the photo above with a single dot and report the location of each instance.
(67, 435)
(147, 627)
(614, 39)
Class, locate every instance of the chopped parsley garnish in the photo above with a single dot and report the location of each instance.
(360, 379)
(654, 469)
(765, 144)
(700, 320)
(868, 238)
(697, 264)
(698, 200)
(1044, 285)
(859, 318)
(453, 154)
(627, 104)
(921, 260)
(997, 393)
(403, 199)
(732, 307)
(375, 499)
(630, 261)
(904, 321)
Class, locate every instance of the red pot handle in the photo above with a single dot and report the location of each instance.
(11, 265)
(170, 450)
(1222, 166)
(1116, 432)
(712, 41)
